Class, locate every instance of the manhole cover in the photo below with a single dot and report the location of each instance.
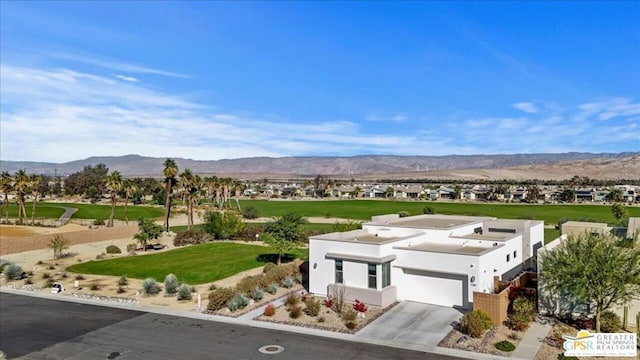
(271, 349)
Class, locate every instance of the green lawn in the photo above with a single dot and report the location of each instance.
(550, 235)
(195, 264)
(364, 209)
(87, 211)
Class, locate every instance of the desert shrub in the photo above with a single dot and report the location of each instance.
(46, 275)
(98, 222)
(562, 356)
(351, 325)
(610, 322)
(64, 275)
(256, 294)
(219, 298)
(123, 281)
(278, 274)
(28, 281)
(403, 214)
(170, 284)
(505, 345)
(232, 305)
(292, 300)
(49, 283)
(79, 277)
(184, 292)
(298, 277)
(94, 286)
(120, 290)
(288, 282)
(272, 289)
(131, 248)
(328, 302)
(112, 249)
(522, 313)
(321, 319)
(212, 287)
(295, 312)
(150, 286)
(270, 310)
(428, 210)
(250, 212)
(51, 267)
(268, 267)
(312, 306)
(189, 237)
(12, 272)
(514, 336)
(338, 297)
(241, 300)
(475, 323)
(38, 263)
(248, 283)
(348, 313)
(222, 225)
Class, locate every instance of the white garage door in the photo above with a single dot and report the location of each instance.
(432, 288)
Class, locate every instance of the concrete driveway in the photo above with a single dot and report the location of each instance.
(411, 324)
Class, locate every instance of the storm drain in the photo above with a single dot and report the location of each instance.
(271, 349)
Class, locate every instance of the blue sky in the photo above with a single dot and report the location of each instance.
(212, 80)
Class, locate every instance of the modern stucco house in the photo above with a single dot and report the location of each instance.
(435, 259)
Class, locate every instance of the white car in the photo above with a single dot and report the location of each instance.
(57, 288)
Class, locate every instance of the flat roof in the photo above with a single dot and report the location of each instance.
(361, 236)
(449, 248)
(585, 224)
(435, 221)
(489, 237)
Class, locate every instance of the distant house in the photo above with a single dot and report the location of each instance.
(436, 259)
(585, 195)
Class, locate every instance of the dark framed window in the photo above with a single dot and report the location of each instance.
(386, 274)
(339, 279)
(514, 253)
(373, 276)
(508, 257)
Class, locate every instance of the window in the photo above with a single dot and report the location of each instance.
(338, 271)
(386, 274)
(373, 276)
(508, 257)
(514, 253)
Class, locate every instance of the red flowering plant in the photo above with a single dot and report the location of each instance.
(359, 306)
(327, 302)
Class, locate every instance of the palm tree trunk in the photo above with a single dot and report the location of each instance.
(6, 206)
(126, 208)
(21, 213)
(33, 210)
(167, 207)
(113, 211)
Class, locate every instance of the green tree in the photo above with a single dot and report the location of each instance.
(279, 244)
(114, 184)
(129, 189)
(21, 184)
(6, 186)
(35, 191)
(286, 227)
(170, 171)
(593, 268)
(147, 230)
(618, 211)
(58, 244)
(222, 225)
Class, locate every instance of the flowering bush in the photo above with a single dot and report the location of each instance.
(327, 302)
(269, 310)
(359, 306)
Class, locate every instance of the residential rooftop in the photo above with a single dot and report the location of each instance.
(429, 221)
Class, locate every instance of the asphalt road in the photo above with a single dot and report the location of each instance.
(34, 328)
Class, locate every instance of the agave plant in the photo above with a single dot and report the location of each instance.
(170, 284)
(12, 272)
(184, 292)
(150, 286)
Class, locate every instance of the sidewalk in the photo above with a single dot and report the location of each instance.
(525, 351)
(531, 341)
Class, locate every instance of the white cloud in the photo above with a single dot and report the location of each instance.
(126, 78)
(527, 107)
(114, 64)
(398, 118)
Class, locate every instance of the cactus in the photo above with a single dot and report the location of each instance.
(184, 292)
(272, 288)
(256, 294)
(170, 284)
(150, 286)
(240, 300)
(288, 282)
(12, 272)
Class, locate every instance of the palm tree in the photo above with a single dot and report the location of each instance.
(533, 192)
(35, 189)
(170, 171)
(20, 186)
(186, 180)
(6, 185)
(114, 184)
(238, 187)
(128, 188)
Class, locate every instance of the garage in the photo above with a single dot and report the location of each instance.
(433, 287)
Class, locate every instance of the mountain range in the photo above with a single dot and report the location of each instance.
(561, 165)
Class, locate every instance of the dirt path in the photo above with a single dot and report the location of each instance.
(20, 243)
